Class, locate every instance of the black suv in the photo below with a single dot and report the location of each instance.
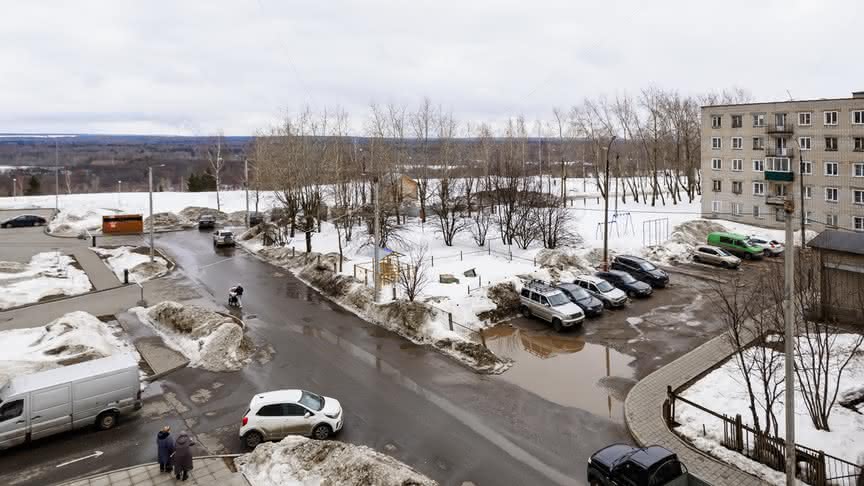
(642, 269)
(627, 283)
(23, 220)
(621, 464)
(206, 222)
(592, 306)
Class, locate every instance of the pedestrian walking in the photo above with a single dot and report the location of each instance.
(165, 447)
(182, 456)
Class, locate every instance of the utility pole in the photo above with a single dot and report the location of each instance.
(789, 348)
(14, 187)
(618, 176)
(152, 223)
(375, 269)
(606, 210)
(56, 177)
(246, 175)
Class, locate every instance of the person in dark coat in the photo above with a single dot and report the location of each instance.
(165, 447)
(183, 456)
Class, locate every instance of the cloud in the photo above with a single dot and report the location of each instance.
(197, 67)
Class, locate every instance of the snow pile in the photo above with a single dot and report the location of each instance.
(209, 340)
(74, 221)
(73, 338)
(303, 462)
(166, 222)
(724, 391)
(48, 274)
(686, 236)
(194, 213)
(133, 259)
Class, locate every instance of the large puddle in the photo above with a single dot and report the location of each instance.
(564, 369)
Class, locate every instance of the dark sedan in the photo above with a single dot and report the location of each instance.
(641, 269)
(627, 283)
(23, 220)
(592, 306)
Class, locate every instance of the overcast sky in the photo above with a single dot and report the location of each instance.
(195, 67)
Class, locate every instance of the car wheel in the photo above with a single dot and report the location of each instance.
(606, 304)
(594, 482)
(106, 421)
(556, 324)
(696, 259)
(252, 439)
(748, 256)
(724, 264)
(526, 312)
(631, 294)
(321, 432)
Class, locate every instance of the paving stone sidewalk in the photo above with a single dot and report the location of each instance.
(208, 471)
(643, 412)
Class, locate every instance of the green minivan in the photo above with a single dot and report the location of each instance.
(738, 245)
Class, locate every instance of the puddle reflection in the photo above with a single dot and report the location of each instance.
(564, 369)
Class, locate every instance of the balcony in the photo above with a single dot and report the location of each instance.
(779, 152)
(779, 176)
(775, 200)
(779, 129)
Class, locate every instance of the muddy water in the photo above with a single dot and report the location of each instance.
(564, 369)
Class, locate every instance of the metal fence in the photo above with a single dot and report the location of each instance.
(813, 467)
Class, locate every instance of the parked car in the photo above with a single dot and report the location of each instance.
(95, 392)
(23, 220)
(772, 247)
(626, 282)
(206, 222)
(620, 464)
(541, 300)
(738, 245)
(641, 269)
(277, 414)
(223, 238)
(255, 219)
(590, 305)
(715, 256)
(602, 290)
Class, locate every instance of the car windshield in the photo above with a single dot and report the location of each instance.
(312, 401)
(604, 286)
(647, 266)
(557, 299)
(722, 252)
(627, 278)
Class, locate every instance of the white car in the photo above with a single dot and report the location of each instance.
(772, 247)
(603, 290)
(223, 238)
(277, 414)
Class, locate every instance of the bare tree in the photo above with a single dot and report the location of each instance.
(423, 123)
(414, 276)
(217, 163)
(553, 222)
(481, 222)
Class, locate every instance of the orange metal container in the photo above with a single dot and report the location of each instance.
(122, 224)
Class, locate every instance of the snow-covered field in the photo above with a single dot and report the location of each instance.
(138, 264)
(723, 391)
(73, 338)
(298, 461)
(47, 274)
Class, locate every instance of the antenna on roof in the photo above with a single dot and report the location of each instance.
(790, 95)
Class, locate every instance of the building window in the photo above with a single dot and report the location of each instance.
(737, 121)
(858, 169)
(716, 121)
(777, 164)
(758, 188)
(716, 164)
(738, 165)
(808, 192)
(715, 207)
(759, 120)
(780, 119)
(858, 223)
(716, 185)
(758, 143)
(736, 209)
(715, 143)
(804, 143)
(832, 194)
(804, 119)
(757, 213)
(737, 187)
(858, 117)
(832, 168)
(806, 167)
(831, 219)
(858, 144)
(779, 189)
(737, 143)
(859, 196)
(808, 217)
(758, 165)
(830, 144)
(830, 117)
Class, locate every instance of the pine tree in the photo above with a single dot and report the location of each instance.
(192, 183)
(33, 186)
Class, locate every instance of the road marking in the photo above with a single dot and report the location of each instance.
(95, 454)
(214, 263)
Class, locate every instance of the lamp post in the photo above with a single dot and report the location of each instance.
(119, 187)
(14, 187)
(606, 209)
(152, 223)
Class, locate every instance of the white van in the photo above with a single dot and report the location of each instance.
(54, 401)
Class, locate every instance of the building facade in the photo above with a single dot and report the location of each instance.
(754, 154)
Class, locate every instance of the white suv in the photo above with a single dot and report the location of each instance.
(223, 238)
(603, 290)
(277, 414)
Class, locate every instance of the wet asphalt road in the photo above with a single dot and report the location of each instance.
(405, 400)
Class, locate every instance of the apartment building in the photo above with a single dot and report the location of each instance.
(753, 154)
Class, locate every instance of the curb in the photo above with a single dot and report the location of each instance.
(61, 299)
(128, 468)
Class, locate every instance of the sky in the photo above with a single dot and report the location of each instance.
(238, 67)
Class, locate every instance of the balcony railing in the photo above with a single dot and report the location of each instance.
(778, 128)
(779, 176)
(779, 152)
(774, 200)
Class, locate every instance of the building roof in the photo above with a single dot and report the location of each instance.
(69, 374)
(779, 102)
(844, 241)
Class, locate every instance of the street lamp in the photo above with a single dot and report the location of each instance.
(152, 223)
(606, 208)
(119, 187)
(14, 187)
